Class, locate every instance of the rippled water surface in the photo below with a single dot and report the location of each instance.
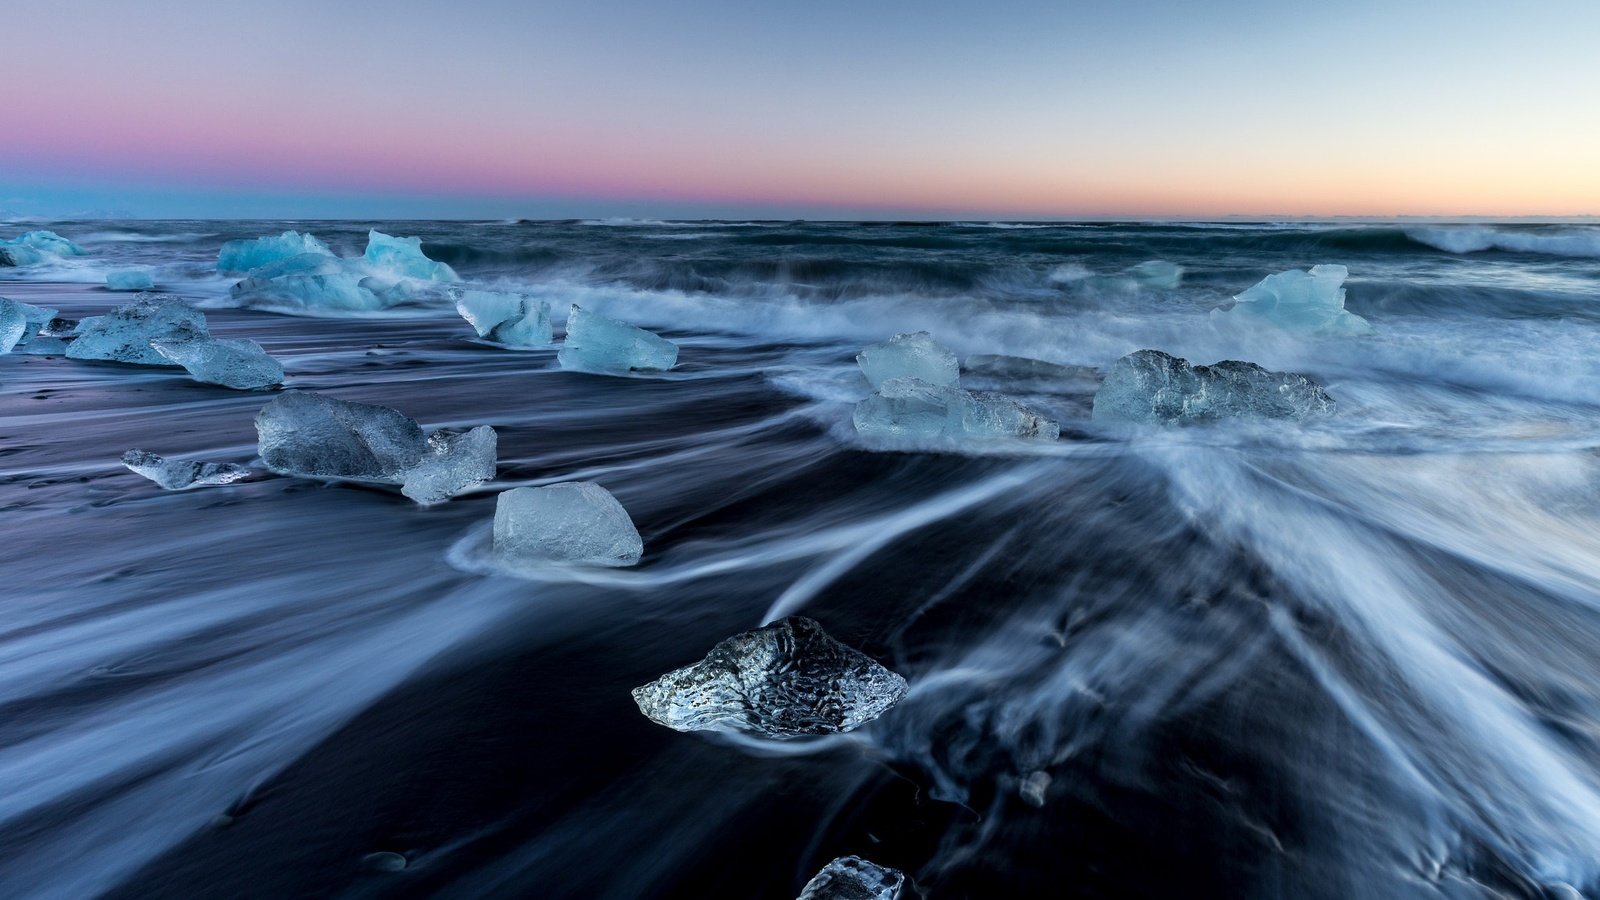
(1353, 658)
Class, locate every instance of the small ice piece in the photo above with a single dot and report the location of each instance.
(1151, 387)
(246, 255)
(853, 878)
(1033, 787)
(455, 461)
(35, 247)
(130, 280)
(312, 435)
(332, 291)
(785, 680)
(181, 474)
(125, 333)
(238, 364)
(913, 355)
(403, 258)
(1310, 302)
(572, 522)
(912, 409)
(518, 320)
(595, 343)
(1157, 273)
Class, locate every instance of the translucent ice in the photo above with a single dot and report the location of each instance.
(595, 343)
(309, 434)
(181, 474)
(1152, 387)
(784, 680)
(338, 291)
(1310, 302)
(13, 324)
(913, 409)
(909, 356)
(245, 255)
(125, 333)
(130, 280)
(518, 320)
(853, 878)
(34, 247)
(576, 521)
(240, 364)
(1157, 273)
(455, 461)
(403, 258)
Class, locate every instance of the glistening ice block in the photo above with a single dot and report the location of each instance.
(455, 461)
(595, 343)
(914, 410)
(788, 679)
(125, 333)
(246, 255)
(238, 364)
(402, 257)
(516, 320)
(181, 474)
(309, 434)
(1309, 302)
(1151, 387)
(572, 522)
(914, 355)
(853, 878)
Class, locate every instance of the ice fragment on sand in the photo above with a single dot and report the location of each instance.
(335, 291)
(239, 364)
(130, 280)
(595, 343)
(1152, 387)
(309, 434)
(181, 474)
(913, 409)
(402, 257)
(853, 878)
(517, 320)
(35, 247)
(909, 356)
(1310, 302)
(576, 521)
(125, 333)
(1157, 273)
(455, 461)
(245, 255)
(784, 680)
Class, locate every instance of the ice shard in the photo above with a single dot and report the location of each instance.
(125, 333)
(912, 409)
(333, 291)
(130, 280)
(13, 324)
(1152, 387)
(238, 364)
(571, 522)
(595, 343)
(455, 461)
(309, 434)
(402, 257)
(33, 247)
(181, 474)
(246, 255)
(914, 355)
(516, 320)
(785, 680)
(1307, 302)
(853, 878)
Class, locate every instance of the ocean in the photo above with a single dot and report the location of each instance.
(1354, 657)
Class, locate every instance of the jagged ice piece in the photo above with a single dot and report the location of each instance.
(853, 878)
(1152, 387)
(253, 253)
(308, 434)
(239, 364)
(181, 474)
(1310, 302)
(125, 333)
(455, 461)
(914, 355)
(913, 409)
(403, 257)
(517, 320)
(595, 343)
(575, 521)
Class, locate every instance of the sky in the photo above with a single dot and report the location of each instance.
(822, 109)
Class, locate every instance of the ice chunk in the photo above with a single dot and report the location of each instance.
(853, 878)
(1152, 387)
(125, 333)
(913, 409)
(575, 521)
(245, 255)
(455, 461)
(309, 434)
(784, 680)
(595, 343)
(240, 364)
(909, 356)
(1157, 273)
(518, 320)
(130, 280)
(35, 247)
(1310, 302)
(181, 474)
(334, 291)
(403, 257)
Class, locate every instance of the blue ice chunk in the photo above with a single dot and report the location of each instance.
(181, 474)
(238, 364)
(253, 253)
(914, 355)
(402, 257)
(595, 343)
(125, 333)
(455, 461)
(853, 878)
(337, 291)
(20, 323)
(517, 320)
(33, 247)
(1308, 302)
(910, 409)
(1151, 387)
(130, 280)
(572, 522)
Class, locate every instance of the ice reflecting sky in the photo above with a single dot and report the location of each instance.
(713, 107)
